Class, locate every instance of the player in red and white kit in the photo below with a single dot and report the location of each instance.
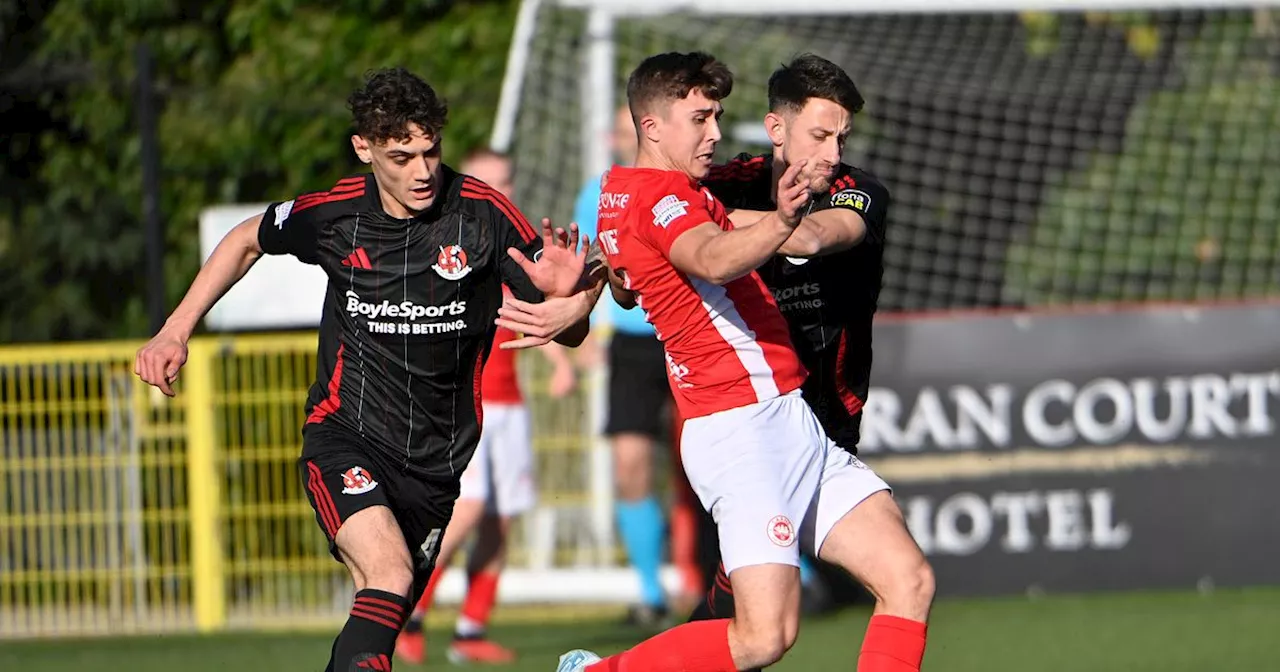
(753, 450)
(498, 484)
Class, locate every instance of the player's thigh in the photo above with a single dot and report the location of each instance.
(346, 486)
(373, 548)
(755, 470)
(512, 466)
(871, 541)
(767, 604)
(846, 484)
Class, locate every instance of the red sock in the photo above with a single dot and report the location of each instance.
(428, 595)
(482, 593)
(702, 646)
(892, 644)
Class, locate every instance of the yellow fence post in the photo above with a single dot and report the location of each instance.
(204, 488)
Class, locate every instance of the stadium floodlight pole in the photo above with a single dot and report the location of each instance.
(504, 124)
(622, 8)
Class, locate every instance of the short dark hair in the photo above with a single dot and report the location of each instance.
(392, 99)
(810, 76)
(673, 75)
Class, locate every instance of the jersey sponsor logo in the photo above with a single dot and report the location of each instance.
(797, 261)
(451, 263)
(613, 200)
(851, 198)
(282, 213)
(609, 241)
(781, 531)
(357, 481)
(807, 296)
(668, 210)
(405, 309)
(408, 312)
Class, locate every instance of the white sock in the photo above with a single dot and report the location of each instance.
(468, 628)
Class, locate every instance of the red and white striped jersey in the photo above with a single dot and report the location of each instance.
(727, 346)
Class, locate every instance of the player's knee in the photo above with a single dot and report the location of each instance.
(632, 466)
(764, 644)
(375, 552)
(911, 588)
(391, 573)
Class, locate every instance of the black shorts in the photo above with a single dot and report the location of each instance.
(343, 475)
(639, 392)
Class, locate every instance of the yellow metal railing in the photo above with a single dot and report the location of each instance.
(122, 510)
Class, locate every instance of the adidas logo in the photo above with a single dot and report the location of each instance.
(358, 259)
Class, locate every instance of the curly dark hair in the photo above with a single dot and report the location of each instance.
(390, 101)
(810, 76)
(671, 76)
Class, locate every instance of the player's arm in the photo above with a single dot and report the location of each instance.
(820, 233)
(844, 219)
(618, 288)
(706, 251)
(157, 363)
(235, 254)
(563, 320)
(564, 377)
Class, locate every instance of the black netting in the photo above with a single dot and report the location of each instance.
(1034, 158)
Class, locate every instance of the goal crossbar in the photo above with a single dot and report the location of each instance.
(623, 8)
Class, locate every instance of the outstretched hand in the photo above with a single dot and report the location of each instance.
(558, 268)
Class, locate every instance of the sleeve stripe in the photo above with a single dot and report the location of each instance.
(326, 194)
(478, 190)
(304, 203)
(347, 188)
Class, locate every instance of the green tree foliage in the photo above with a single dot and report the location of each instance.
(253, 108)
(1187, 209)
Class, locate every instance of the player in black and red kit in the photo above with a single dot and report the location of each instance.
(416, 256)
(827, 277)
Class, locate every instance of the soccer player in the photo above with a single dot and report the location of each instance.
(753, 450)
(827, 278)
(497, 485)
(639, 399)
(416, 256)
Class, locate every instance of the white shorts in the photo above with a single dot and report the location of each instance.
(760, 468)
(501, 471)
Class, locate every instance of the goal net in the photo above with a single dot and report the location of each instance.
(1034, 157)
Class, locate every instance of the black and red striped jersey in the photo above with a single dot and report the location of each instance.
(829, 301)
(409, 312)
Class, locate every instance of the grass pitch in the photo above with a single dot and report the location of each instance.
(1237, 630)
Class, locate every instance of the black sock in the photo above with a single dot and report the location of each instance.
(414, 625)
(719, 600)
(369, 637)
